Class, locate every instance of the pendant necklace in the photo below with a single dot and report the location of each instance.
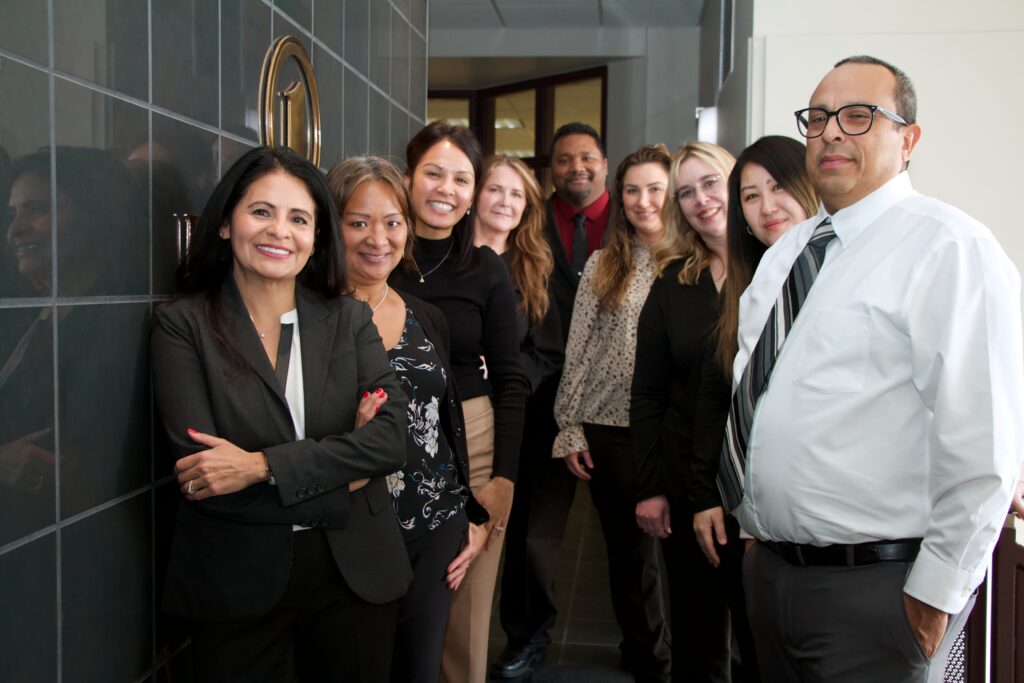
(443, 258)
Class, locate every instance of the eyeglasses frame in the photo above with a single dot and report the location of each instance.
(891, 115)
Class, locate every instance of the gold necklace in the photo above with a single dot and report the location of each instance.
(424, 275)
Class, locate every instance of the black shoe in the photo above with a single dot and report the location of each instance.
(516, 662)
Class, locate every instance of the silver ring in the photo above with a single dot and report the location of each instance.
(191, 488)
(499, 529)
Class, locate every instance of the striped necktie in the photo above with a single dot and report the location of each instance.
(759, 369)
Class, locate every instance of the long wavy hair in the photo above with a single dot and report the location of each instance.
(615, 267)
(348, 174)
(529, 252)
(783, 158)
(686, 243)
(463, 138)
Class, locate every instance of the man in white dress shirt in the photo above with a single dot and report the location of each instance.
(882, 455)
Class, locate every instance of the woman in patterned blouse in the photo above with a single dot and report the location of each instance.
(430, 493)
(592, 407)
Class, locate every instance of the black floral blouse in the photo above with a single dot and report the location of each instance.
(427, 491)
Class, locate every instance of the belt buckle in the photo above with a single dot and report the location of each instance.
(799, 552)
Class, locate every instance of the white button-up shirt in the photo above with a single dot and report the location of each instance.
(894, 408)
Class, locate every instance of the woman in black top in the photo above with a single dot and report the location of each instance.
(472, 288)
(430, 492)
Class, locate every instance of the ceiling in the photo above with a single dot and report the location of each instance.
(498, 14)
(455, 73)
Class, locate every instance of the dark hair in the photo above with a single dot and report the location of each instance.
(463, 138)
(576, 128)
(109, 208)
(904, 94)
(209, 258)
(784, 159)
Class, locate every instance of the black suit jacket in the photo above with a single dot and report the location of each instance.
(231, 555)
(435, 326)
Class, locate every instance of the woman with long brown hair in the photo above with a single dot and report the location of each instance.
(592, 407)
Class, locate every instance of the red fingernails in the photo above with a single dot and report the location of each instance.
(365, 394)
(192, 431)
(380, 391)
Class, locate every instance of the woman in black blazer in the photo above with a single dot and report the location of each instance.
(431, 493)
(286, 558)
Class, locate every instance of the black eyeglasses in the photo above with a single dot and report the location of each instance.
(853, 119)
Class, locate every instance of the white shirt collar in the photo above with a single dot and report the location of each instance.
(851, 221)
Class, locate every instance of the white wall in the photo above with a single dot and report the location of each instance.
(967, 63)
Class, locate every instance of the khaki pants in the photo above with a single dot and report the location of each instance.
(465, 640)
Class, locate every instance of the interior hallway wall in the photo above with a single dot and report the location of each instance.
(156, 97)
(966, 61)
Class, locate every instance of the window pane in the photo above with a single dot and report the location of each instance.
(514, 119)
(579, 101)
(455, 110)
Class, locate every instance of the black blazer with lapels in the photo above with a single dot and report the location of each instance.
(231, 555)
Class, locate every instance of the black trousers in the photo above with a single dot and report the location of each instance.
(702, 598)
(540, 507)
(319, 631)
(633, 570)
(423, 612)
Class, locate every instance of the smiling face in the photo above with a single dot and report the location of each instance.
(441, 190)
(578, 169)
(29, 231)
(769, 209)
(272, 228)
(846, 168)
(643, 194)
(501, 201)
(374, 232)
(703, 197)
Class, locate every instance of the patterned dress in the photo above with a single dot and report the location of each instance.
(427, 491)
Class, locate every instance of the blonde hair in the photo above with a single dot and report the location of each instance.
(615, 267)
(348, 174)
(685, 243)
(529, 253)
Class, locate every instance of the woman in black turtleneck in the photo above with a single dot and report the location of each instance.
(472, 288)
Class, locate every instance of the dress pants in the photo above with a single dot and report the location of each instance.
(319, 631)
(423, 612)
(465, 641)
(704, 601)
(544, 492)
(633, 570)
(837, 624)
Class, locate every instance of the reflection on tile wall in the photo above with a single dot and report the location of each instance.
(119, 114)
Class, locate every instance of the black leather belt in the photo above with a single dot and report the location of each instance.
(859, 554)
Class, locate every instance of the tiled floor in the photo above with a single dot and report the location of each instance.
(586, 636)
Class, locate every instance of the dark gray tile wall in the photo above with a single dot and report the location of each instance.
(121, 113)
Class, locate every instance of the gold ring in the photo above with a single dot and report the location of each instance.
(191, 488)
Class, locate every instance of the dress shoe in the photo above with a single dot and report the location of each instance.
(516, 662)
